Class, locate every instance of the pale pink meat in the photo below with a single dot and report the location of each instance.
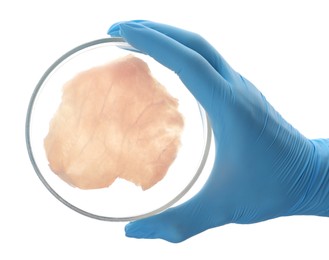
(114, 121)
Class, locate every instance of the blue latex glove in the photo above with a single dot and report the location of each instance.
(264, 168)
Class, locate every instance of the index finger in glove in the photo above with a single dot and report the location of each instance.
(192, 40)
(204, 82)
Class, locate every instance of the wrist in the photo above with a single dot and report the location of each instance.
(316, 197)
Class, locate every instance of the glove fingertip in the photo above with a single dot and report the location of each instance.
(134, 230)
(114, 30)
(130, 230)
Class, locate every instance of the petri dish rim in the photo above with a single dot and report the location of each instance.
(121, 43)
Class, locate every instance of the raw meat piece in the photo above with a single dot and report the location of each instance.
(114, 121)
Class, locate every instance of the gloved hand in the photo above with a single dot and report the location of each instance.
(264, 168)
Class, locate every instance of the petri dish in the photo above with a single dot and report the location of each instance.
(121, 201)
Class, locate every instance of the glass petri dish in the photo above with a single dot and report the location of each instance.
(121, 201)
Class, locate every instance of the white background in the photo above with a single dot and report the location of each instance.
(281, 46)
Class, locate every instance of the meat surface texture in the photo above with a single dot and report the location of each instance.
(114, 121)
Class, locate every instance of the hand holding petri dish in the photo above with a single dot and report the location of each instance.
(113, 134)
